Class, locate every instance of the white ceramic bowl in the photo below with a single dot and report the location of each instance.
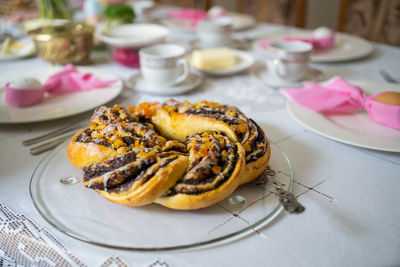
(134, 35)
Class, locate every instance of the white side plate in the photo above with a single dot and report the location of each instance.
(347, 47)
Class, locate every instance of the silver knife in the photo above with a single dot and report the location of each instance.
(49, 145)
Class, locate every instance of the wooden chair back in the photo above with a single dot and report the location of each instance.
(376, 20)
(288, 12)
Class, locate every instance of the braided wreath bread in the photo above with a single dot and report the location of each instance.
(178, 154)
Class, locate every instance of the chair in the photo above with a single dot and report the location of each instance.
(199, 4)
(289, 12)
(376, 20)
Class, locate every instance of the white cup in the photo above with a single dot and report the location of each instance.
(163, 64)
(213, 32)
(288, 60)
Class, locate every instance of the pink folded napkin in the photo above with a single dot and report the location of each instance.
(68, 80)
(294, 39)
(339, 96)
(23, 97)
(265, 43)
(128, 57)
(190, 14)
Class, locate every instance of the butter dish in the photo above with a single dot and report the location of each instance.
(239, 62)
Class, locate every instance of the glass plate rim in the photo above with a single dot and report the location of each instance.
(197, 245)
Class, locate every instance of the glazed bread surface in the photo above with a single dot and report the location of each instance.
(181, 155)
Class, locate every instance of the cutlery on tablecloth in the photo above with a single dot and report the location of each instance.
(388, 77)
(49, 145)
(55, 133)
(287, 199)
(60, 135)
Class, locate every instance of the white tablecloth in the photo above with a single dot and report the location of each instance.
(351, 194)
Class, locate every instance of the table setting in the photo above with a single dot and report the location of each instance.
(140, 134)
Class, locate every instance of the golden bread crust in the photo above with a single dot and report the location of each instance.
(83, 154)
(255, 168)
(133, 129)
(140, 194)
(189, 202)
(174, 125)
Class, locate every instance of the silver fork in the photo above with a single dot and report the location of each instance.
(62, 134)
(387, 77)
(65, 129)
(49, 145)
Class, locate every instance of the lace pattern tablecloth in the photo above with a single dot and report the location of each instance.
(351, 194)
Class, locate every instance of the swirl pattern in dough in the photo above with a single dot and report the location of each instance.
(178, 154)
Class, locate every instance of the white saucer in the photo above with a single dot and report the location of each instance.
(244, 60)
(137, 83)
(262, 74)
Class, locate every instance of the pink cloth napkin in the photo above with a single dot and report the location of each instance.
(190, 14)
(265, 43)
(68, 80)
(339, 96)
(294, 39)
(128, 57)
(23, 97)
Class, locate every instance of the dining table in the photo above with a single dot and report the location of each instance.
(350, 193)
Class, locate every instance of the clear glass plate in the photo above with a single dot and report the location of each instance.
(83, 214)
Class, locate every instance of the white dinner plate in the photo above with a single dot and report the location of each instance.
(347, 47)
(58, 106)
(244, 60)
(355, 128)
(136, 82)
(239, 22)
(27, 50)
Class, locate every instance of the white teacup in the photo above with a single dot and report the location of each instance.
(288, 60)
(213, 32)
(163, 64)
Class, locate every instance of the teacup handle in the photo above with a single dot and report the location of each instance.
(279, 65)
(182, 63)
